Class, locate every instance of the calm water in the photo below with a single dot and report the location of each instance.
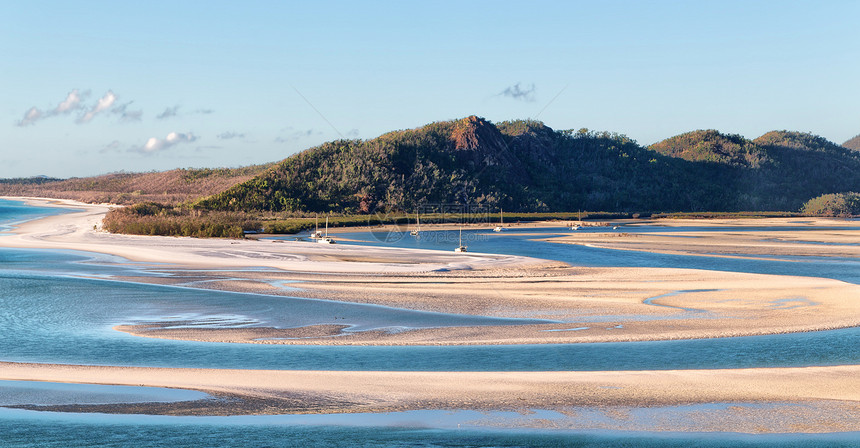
(34, 429)
(44, 299)
(522, 242)
(13, 212)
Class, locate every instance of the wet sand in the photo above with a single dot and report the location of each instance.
(580, 304)
(613, 303)
(81, 231)
(804, 237)
(275, 392)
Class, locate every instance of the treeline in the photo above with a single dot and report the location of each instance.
(525, 166)
(840, 205)
(156, 219)
(159, 219)
(167, 187)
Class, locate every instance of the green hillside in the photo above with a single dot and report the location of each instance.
(712, 146)
(518, 166)
(526, 166)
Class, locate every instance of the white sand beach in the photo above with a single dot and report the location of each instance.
(585, 305)
(820, 390)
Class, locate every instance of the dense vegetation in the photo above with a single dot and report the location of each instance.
(712, 146)
(151, 218)
(525, 166)
(170, 187)
(836, 205)
(468, 169)
(38, 180)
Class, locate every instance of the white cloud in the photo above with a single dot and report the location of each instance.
(31, 116)
(168, 113)
(110, 147)
(104, 103)
(297, 135)
(230, 135)
(72, 102)
(154, 145)
(126, 115)
(518, 93)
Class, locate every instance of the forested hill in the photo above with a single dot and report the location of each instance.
(853, 143)
(526, 166)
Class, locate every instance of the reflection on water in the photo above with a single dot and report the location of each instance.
(49, 314)
(14, 393)
(523, 242)
(22, 429)
(46, 318)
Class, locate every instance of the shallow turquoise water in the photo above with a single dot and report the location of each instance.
(522, 242)
(40, 393)
(12, 212)
(43, 299)
(39, 306)
(20, 428)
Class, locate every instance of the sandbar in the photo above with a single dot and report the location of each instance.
(277, 392)
(579, 304)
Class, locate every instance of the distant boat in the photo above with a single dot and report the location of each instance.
(500, 227)
(317, 234)
(325, 239)
(461, 247)
(417, 230)
(579, 219)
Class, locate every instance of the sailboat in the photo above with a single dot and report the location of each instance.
(317, 234)
(579, 219)
(461, 247)
(325, 239)
(500, 227)
(417, 230)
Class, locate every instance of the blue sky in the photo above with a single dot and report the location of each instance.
(96, 87)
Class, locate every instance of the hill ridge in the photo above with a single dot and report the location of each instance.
(523, 165)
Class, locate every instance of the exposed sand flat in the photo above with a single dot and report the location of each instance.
(273, 391)
(793, 237)
(78, 231)
(587, 304)
(593, 304)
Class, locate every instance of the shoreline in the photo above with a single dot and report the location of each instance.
(641, 304)
(587, 304)
(81, 231)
